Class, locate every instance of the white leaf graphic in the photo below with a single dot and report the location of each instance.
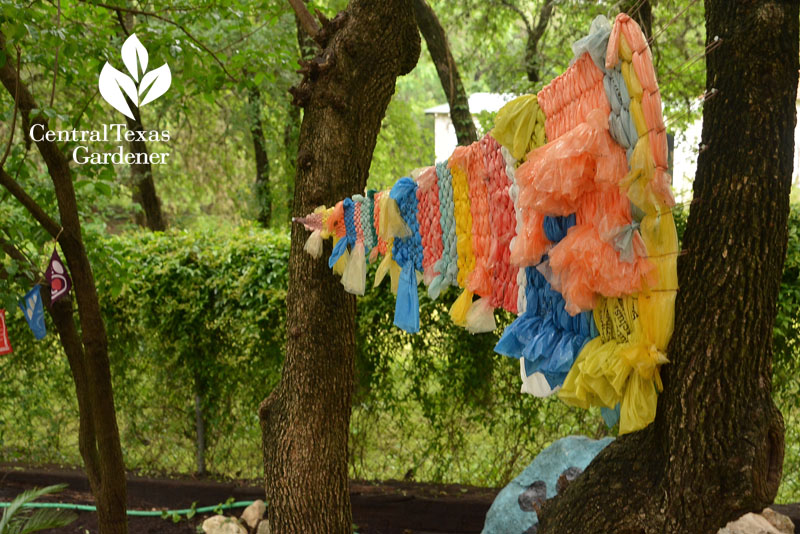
(132, 49)
(160, 78)
(112, 82)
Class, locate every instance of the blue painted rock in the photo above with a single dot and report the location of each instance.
(514, 509)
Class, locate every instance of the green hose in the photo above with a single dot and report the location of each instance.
(159, 513)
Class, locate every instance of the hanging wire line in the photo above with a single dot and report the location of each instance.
(668, 24)
(696, 103)
(716, 43)
(635, 9)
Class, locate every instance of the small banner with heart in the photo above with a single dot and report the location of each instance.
(58, 277)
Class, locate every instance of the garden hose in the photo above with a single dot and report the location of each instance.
(152, 513)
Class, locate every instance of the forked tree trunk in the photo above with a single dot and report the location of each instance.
(439, 49)
(87, 351)
(535, 35)
(305, 421)
(715, 449)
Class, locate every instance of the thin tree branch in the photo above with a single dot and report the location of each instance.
(168, 21)
(85, 107)
(245, 37)
(306, 19)
(55, 61)
(544, 18)
(513, 7)
(47, 222)
(14, 117)
(122, 24)
(15, 254)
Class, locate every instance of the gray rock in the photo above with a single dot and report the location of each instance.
(533, 496)
(757, 524)
(509, 512)
(219, 524)
(781, 522)
(253, 513)
(263, 527)
(567, 477)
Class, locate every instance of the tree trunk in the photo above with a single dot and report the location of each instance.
(305, 420)
(144, 188)
(535, 35)
(439, 49)
(715, 450)
(291, 133)
(200, 430)
(99, 435)
(262, 188)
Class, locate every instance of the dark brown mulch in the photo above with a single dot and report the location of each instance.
(390, 507)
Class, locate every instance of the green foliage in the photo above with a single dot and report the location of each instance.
(19, 519)
(193, 315)
(786, 364)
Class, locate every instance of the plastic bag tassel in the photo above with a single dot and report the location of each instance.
(406, 308)
(339, 250)
(313, 245)
(354, 278)
(480, 317)
(460, 308)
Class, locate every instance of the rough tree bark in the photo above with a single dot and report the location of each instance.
(715, 449)
(305, 419)
(441, 56)
(262, 187)
(87, 351)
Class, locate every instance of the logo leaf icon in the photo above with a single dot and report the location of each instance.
(133, 49)
(112, 83)
(160, 78)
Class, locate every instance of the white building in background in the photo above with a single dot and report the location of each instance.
(687, 147)
(684, 156)
(444, 131)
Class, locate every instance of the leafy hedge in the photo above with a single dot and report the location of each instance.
(201, 316)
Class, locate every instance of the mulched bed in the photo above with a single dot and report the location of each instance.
(391, 507)
(378, 508)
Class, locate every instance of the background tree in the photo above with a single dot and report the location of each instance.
(88, 350)
(305, 419)
(436, 39)
(716, 447)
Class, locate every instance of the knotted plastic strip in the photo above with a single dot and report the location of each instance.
(367, 229)
(429, 222)
(337, 227)
(407, 251)
(447, 266)
(314, 223)
(503, 226)
(458, 165)
(568, 99)
(354, 278)
(629, 46)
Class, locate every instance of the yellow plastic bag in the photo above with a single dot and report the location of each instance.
(518, 126)
(460, 308)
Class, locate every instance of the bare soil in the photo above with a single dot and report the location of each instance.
(391, 507)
